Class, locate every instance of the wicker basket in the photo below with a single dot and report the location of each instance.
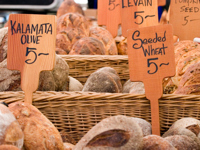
(81, 66)
(76, 113)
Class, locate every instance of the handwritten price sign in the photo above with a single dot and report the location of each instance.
(151, 58)
(31, 48)
(185, 18)
(141, 13)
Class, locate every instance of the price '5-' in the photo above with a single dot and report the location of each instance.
(34, 53)
(151, 52)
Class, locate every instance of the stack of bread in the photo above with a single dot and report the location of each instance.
(76, 35)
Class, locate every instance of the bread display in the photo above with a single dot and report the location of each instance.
(104, 80)
(8, 147)
(106, 38)
(72, 21)
(10, 130)
(88, 46)
(39, 132)
(65, 39)
(69, 6)
(3, 43)
(154, 142)
(113, 133)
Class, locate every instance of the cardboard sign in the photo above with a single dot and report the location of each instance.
(141, 13)
(31, 48)
(151, 58)
(109, 14)
(185, 18)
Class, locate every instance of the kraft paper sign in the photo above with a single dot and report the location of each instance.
(151, 58)
(31, 48)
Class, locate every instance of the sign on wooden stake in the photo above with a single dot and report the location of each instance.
(185, 18)
(31, 48)
(138, 14)
(151, 58)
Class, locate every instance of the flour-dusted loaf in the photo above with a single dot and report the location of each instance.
(88, 46)
(10, 130)
(113, 133)
(183, 142)
(133, 87)
(65, 39)
(144, 125)
(103, 80)
(106, 38)
(74, 85)
(3, 43)
(39, 132)
(72, 20)
(8, 147)
(68, 6)
(154, 142)
(55, 80)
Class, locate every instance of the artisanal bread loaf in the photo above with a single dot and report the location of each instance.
(10, 130)
(88, 46)
(144, 125)
(113, 133)
(190, 80)
(39, 132)
(183, 142)
(154, 142)
(3, 43)
(65, 39)
(72, 20)
(106, 38)
(74, 85)
(103, 80)
(133, 87)
(8, 147)
(185, 126)
(187, 53)
(68, 6)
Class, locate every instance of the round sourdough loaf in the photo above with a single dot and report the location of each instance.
(183, 142)
(39, 132)
(113, 133)
(68, 6)
(10, 130)
(104, 80)
(88, 46)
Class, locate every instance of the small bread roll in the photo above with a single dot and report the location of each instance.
(39, 132)
(154, 142)
(8, 147)
(113, 133)
(10, 130)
